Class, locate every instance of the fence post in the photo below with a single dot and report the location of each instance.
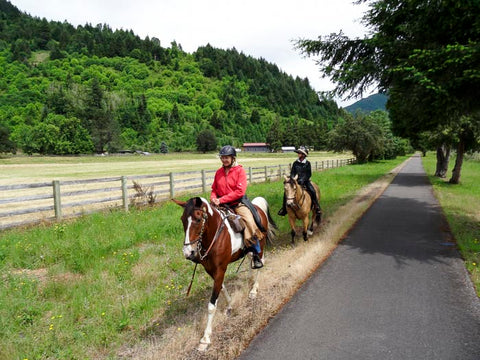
(280, 171)
(204, 182)
(124, 192)
(250, 177)
(172, 186)
(266, 174)
(337, 163)
(57, 202)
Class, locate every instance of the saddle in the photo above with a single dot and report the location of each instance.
(236, 222)
(246, 201)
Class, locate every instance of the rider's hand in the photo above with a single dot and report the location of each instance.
(216, 201)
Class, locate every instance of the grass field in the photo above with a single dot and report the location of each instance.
(93, 287)
(461, 206)
(26, 169)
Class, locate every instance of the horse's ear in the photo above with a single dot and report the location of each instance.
(179, 202)
(286, 177)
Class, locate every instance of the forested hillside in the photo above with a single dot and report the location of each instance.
(73, 90)
(368, 104)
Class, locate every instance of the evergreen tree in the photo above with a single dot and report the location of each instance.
(163, 148)
(206, 141)
(6, 145)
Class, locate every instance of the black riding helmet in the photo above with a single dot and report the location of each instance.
(228, 150)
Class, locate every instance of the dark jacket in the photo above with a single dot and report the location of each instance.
(303, 170)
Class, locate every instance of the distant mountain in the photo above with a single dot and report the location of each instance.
(371, 103)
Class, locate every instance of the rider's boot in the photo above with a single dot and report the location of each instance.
(313, 195)
(257, 262)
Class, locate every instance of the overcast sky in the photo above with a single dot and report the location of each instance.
(259, 28)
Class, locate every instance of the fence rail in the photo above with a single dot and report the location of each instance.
(56, 200)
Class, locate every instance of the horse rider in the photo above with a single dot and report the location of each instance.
(228, 188)
(303, 169)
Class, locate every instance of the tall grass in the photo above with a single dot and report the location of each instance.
(461, 205)
(86, 288)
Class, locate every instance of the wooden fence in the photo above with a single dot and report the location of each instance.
(57, 200)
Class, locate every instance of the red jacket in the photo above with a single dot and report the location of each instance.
(229, 188)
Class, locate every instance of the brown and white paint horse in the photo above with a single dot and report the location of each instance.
(210, 241)
(299, 206)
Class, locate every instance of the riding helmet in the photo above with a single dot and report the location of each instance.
(228, 150)
(302, 150)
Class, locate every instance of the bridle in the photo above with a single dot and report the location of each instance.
(200, 235)
(294, 198)
(199, 238)
(198, 241)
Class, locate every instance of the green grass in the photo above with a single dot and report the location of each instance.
(461, 205)
(84, 288)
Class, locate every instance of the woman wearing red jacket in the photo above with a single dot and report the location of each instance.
(228, 188)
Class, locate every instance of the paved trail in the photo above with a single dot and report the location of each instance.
(395, 288)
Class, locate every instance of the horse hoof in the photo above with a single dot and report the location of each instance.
(202, 347)
(310, 233)
(252, 295)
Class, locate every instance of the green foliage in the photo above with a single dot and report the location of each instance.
(206, 141)
(368, 136)
(6, 145)
(129, 93)
(423, 54)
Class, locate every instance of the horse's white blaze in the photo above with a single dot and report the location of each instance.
(187, 248)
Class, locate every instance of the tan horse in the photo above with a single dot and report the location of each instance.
(299, 206)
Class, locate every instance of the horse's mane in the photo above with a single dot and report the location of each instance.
(290, 180)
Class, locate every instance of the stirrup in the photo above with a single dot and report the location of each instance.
(256, 262)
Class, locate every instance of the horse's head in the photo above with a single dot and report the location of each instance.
(194, 220)
(290, 188)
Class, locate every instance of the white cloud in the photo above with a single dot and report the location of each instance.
(260, 28)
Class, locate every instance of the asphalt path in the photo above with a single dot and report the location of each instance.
(395, 288)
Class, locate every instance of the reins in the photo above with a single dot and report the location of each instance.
(199, 241)
(298, 202)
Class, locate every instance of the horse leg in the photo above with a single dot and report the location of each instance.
(292, 233)
(212, 307)
(305, 228)
(228, 311)
(291, 220)
(318, 217)
(254, 273)
(310, 227)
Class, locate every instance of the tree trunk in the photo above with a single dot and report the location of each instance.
(443, 157)
(455, 179)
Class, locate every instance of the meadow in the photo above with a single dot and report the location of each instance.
(26, 169)
(98, 286)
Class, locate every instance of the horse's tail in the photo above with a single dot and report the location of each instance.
(272, 227)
